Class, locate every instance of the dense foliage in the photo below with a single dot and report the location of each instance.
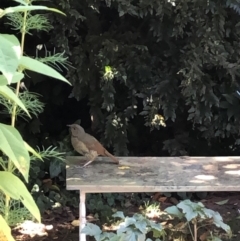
(136, 59)
(142, 58)
(151, 77)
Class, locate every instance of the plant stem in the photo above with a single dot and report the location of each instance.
(13, 116)
(195, 231)
(18, 83)
(191, 231)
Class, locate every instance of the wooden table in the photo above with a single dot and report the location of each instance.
(151, 174)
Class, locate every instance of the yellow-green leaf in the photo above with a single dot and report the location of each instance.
(5, 231)
(10, 52)
(12, 144)
(12, 186)
(222, 202)
(17, 76)
(37, 66)
(15, 44)
(9, 94)
(27, 8)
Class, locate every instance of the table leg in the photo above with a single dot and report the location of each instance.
(82, 215)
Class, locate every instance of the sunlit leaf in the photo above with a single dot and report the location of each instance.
(173, 210)
(15, 188)
(222, 202)
(37, 66)
(5, 231)
(12, 144)
(27, 8)
(9, 94)
(10, 52)
(119, 214)
(17, 76)
(91, 229)
(141, 226)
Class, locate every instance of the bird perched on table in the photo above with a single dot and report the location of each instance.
(88, 145)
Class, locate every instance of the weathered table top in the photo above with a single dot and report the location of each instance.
(152, 174)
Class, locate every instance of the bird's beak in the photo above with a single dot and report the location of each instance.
(69, 125)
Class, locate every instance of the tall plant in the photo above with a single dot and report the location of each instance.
(16, 152)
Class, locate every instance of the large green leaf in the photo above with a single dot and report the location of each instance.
(10, 52)
(5, 230)
(37, 66)
(174, 211)
(91, 229)
(27, 8)
(17, 76)
(15, 44)
(12, 144)
(15, 188)
(9, 94)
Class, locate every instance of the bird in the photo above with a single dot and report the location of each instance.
(87, 145)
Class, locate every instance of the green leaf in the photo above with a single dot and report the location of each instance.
(12, 186)
(17, 76)
(91, 229)
(190, 209)
(28, 8)
(224, 104)
(37, 66)
(5, 230)
(9, 94)
(222, 202)
(31, 150)
(129, 221)
(108, 236)
(10, 52)
(141, 226)
(141, 236)
(129, 236)
(217, 220)
(156, 226)
(123, 229)
(118, 214)
(14, 42)
(157, 233)
(12, 144)
(174, 211)
(229, 98)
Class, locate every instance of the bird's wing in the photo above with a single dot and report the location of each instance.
(79, 146)
(93, 144)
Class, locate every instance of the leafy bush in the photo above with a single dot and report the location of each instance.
(187, 215)
(138, 60)
(200, 217)
(130, 228)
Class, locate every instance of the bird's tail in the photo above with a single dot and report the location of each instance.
(111, 156)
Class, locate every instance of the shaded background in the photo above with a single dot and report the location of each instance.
(133, 61)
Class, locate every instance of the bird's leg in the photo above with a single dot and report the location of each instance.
(86, 164)
(91, 155)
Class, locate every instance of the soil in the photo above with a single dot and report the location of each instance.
(62, 224)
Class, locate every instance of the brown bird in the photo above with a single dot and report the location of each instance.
(88, 145)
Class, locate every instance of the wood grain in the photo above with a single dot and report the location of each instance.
(154, 174)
